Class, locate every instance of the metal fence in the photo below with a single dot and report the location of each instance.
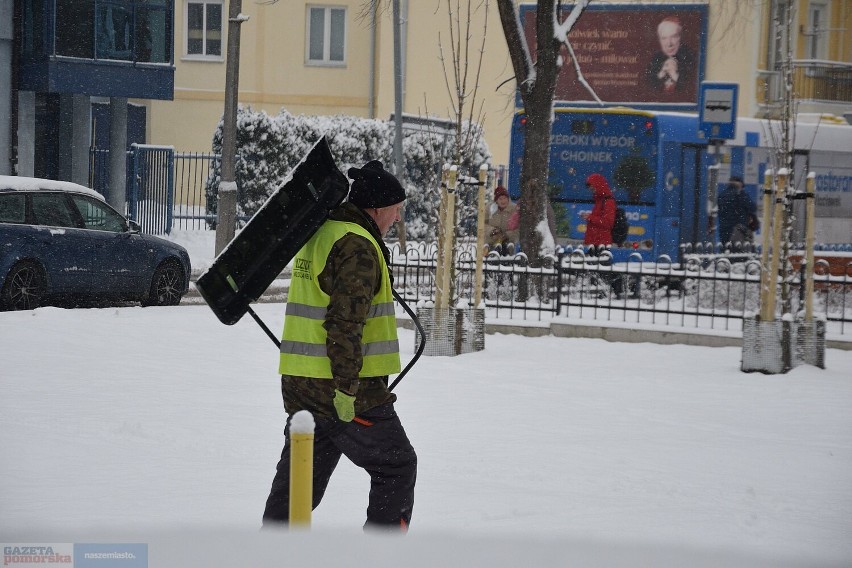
(165, 189)
(704, 292)
(813, 80)
(192, 170)
(150, 199)
(715, 288)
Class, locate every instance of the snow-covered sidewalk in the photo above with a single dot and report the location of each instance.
(158, 421)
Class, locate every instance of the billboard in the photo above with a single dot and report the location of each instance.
(638, 54)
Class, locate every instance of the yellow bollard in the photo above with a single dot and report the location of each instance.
(301, 469)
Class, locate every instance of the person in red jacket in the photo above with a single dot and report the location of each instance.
(600, 221)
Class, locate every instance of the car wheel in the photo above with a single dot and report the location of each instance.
(24, 288)
(166, 286)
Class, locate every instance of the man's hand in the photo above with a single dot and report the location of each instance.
(344, 405)
(670, 69)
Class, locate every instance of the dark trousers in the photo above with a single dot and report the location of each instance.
(375, 441)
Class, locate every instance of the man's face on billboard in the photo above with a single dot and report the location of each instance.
(669, 35)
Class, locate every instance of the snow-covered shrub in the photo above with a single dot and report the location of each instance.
(268, 147)
(730, 287)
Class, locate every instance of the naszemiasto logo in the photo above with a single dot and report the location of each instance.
(31, 555)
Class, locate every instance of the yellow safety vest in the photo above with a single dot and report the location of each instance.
(303, 342)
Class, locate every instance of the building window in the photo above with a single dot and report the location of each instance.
(129, 30)
(154, 32)
(204, 28)
(32, 21)
(75, 40)
(326, 37)
(114, 23)
(817, 32)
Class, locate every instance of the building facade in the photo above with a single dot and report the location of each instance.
(820, 56)
(70, 68)
(337, 58)
(163, 61)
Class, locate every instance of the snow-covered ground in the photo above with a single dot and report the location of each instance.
(199, 244)
(163, 426)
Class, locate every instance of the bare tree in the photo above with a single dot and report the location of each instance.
(536, 81)
(785, 153)
(782, 135)
(462, 71)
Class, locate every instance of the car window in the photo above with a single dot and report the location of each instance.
(12, 208)
(51, 209)
(98, 216)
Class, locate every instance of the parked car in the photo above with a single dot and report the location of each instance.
(61, 243)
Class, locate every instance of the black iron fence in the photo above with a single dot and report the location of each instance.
(714, 287)
(703, 292)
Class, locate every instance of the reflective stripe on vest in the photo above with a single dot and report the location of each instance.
(303, 344)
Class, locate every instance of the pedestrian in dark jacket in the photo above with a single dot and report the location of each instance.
(600, 221)
(338, 347)
(735, 211)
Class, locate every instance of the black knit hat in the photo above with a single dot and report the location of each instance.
(374, 187)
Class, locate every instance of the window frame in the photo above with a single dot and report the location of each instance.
(113, 222)
(326, 61)
(13, 196)
(61, 198)
(817, 44)
(93, 34)
(222, 41)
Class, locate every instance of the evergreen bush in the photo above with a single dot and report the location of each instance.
(268, 147)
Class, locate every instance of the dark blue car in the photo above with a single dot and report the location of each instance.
(61, 243)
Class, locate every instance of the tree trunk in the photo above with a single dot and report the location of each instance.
(537, 85)
(534, 170)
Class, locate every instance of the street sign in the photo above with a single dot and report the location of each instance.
(718, 110)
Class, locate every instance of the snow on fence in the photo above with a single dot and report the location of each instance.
(705, 292)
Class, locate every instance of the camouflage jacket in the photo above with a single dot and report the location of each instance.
(351, 277)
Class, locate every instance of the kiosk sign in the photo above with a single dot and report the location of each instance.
(718, 110)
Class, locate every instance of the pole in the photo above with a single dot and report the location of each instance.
(449, 240)
(397, 109)
(712, 201)
(301, 469)
(765, 314)
(777, 228)
(809, 246)
(480, 234)
(442, 240)
(227, 203)
(712, 190)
